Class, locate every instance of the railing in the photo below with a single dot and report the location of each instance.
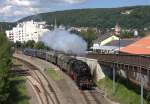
(136, 60)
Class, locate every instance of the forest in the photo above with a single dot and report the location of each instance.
(128, 17)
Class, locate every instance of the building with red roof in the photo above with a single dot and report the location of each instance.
(140, 47)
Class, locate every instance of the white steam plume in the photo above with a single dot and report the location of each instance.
(62, 40)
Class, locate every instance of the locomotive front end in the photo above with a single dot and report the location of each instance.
(85, 83)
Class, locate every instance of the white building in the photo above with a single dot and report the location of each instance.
(25, 31)
(136, 33)
(117, 29)
(79, 29)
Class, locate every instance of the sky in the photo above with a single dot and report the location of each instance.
(12, 10)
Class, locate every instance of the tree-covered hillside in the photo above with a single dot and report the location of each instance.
(6, 26)
(128, 17)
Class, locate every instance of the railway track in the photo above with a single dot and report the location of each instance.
(49, 96)
(37, 91)
(70, 92)
(94, 97)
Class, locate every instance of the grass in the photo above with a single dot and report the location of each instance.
(18, 92)
(18, 89)
(122, 94)
(53, 74)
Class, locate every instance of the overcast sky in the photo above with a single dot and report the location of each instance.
(12, 10)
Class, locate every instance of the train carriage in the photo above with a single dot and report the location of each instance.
(77, 69)
(30, 52)
(63, 62)
(51, 57)
(41, 54)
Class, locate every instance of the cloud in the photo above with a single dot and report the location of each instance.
(74, 1)
(5, 9)
(69, 1)
(14, 9)
(19, 2)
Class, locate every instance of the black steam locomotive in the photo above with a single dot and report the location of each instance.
(78, 70)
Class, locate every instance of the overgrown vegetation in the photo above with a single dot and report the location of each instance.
(125, 92)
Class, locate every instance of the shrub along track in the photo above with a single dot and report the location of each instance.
(34, 75)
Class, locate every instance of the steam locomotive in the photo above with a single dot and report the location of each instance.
(78, 70)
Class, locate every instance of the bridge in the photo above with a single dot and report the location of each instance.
(133, 65)
(136, 67)
(138, 63)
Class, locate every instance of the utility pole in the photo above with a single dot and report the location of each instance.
(142, 85)
(55, 26)
(117, 33)
(46, 58)
(114, 78)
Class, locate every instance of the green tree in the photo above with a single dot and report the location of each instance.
(127, 34)
(138, 17)
(18, 44)
(89, 36)
(5, 63)
(40, 45)
(29, 44)
(142, 34)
